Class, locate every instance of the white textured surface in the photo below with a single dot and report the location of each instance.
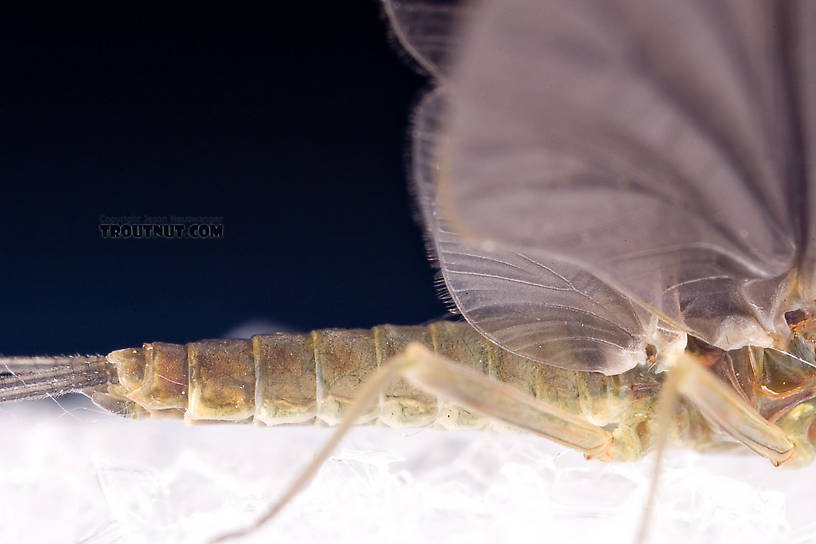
(82, 476)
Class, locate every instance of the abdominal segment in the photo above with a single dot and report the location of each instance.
(287, 378)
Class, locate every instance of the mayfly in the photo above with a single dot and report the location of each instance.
(618, 197)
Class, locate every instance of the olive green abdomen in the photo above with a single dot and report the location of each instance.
(298, 378)
(286, 378)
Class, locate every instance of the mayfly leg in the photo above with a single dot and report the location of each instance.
(468, 388)
(500, 401)
(720, 405)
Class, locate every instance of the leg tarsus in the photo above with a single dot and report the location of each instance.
(369, 392)
(719, 404)
(666, 403)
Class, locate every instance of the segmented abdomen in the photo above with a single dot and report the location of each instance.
(297, 378)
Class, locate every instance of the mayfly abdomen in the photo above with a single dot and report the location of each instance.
(300, 378)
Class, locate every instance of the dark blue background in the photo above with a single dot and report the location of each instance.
(292, 125)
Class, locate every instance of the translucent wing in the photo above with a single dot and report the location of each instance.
(804, 76)
(428, 29)
(651, 143)
(535, 306)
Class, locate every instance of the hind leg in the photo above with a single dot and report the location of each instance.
(463, 386)
(721, 405)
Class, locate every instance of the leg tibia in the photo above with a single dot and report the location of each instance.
(497, 400)
(798, 424)
(724, 407)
